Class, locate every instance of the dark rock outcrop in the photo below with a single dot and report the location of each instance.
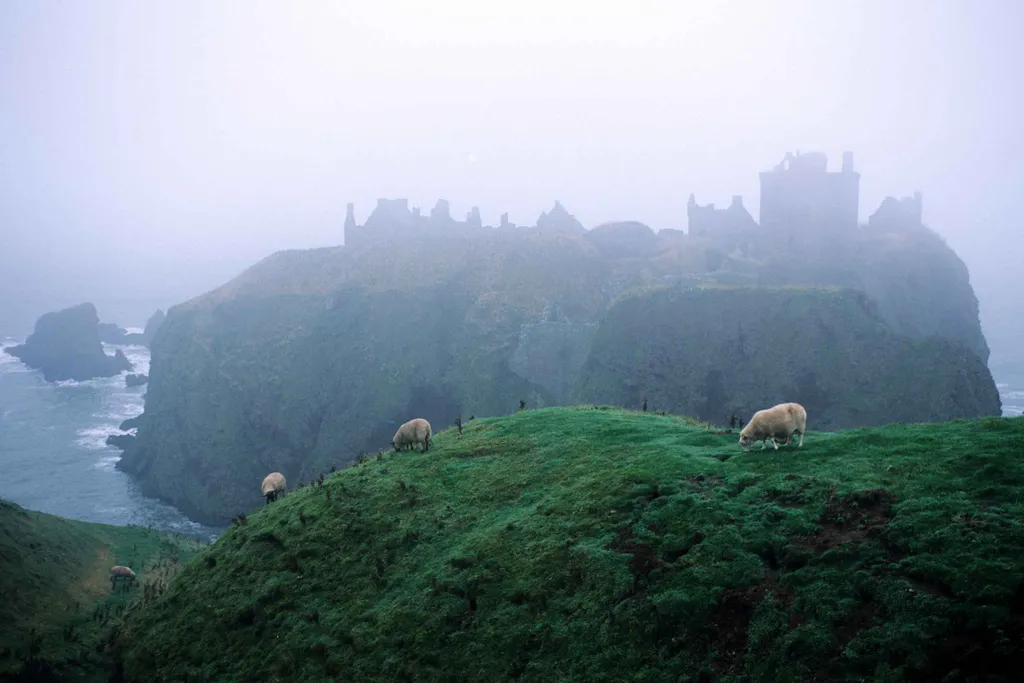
(121, 441)
(152, 325)
(112, 333)
(135, 380)
(550, 353)
(130, 423)
(66, 345)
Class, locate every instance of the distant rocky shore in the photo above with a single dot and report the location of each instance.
(68, 345)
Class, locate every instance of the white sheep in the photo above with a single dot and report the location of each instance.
(778, 423)
(273, 486)
(415, 431)
(119, 572)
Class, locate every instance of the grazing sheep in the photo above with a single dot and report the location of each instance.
(778, 423)
(415, 431)
(273, 486)
(119, 572)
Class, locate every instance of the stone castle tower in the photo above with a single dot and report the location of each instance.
(802, 194)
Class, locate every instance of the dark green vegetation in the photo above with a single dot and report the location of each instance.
(603, 545)
(66, 345)
(311, 357)
(58, 612)
(828, 350)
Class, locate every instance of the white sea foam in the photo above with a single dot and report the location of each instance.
(95, 438)
(120, 414)
(8, 363)
(137, 355)
(107, 463)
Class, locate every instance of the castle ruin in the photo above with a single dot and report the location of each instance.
(800, 193)
(799, 197)
(706, 221)
(393, 220)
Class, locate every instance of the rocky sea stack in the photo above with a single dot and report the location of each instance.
(66, 345)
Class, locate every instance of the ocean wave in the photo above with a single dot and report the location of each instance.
(137, 355)
(95, 438)
(121, 414)
(94, 383)
(107, 463)
(8, 363)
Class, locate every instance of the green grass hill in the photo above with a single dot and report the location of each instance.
(57, 608)
(593, 544)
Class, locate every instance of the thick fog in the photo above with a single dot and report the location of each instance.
(150, 151)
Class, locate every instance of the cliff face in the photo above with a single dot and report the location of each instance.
(922, 287)
(66, 345)
(720, 352)
(311, 357)
(242, 385)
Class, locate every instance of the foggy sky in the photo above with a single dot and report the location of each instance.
(155, 149)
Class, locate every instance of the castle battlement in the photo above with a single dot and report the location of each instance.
(703, 221)
(393, 220)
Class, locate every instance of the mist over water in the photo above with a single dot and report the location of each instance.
(54, 452)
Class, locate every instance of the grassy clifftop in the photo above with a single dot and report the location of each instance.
(602, 545)
(56, 604)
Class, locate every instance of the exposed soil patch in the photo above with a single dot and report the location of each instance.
(732, 619)
(850, 519)
(703, 484)
(643, 561)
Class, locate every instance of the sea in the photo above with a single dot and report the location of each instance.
(53, 449)
(55, 459)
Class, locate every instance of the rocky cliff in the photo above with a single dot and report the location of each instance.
(66, 345)
(721, 352)
(297, 375)
(112, 333)
(311, 357)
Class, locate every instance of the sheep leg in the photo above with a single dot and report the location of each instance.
(775, 444)
(801, 440)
